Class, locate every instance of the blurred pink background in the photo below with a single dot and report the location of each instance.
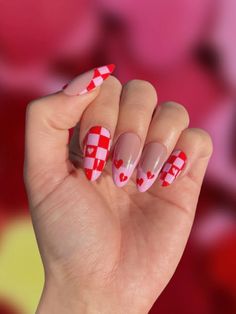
(187, 49)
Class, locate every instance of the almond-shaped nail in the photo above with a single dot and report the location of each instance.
(150, 164)
(97, 144)
(173, 167)
(125, 157)
(88, 81)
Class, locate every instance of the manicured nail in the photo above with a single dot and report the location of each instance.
(88, 81)
(151, 162)
(172, 167)
(97, 144)
(125, 157)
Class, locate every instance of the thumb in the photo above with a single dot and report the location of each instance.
(48, 121)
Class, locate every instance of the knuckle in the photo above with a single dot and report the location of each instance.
(144, 86)
(203, 137)
(114, 82)
(32, 105)
(178, 110)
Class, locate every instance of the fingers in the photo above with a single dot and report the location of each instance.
(47, 123)
(167, 124)
(97, 128)
(194, 148)
(110, 113)
(174, 215)
(138, 101)
(186, 165)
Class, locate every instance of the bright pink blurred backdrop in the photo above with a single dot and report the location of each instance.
(187, 49)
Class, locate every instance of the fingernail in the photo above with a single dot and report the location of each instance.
(97, 144)
(125, 157)
(173, 167)
(151, 162)
(88, 81)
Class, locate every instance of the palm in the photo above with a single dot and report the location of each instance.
(115, 235)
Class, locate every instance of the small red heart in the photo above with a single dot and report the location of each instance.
(139, 181)
(174, 170)
(90, 150)
(118, 163)
(123, 177)
(150, 175)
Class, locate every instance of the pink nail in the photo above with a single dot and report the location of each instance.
(88, 81)
(96, 149)
(125, 157)
(172, 167)
(151, 162)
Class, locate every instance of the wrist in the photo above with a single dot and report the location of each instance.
(61, 298)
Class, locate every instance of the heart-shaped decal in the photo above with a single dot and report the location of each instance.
(150, 175)
(174, 170)
(118, 163)
(139, 181)
(90, 150)
(123, 177)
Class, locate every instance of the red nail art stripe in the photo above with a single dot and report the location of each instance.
(173, 167)
(96, 149)
(100, 74)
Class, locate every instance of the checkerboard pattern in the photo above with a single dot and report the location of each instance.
(97, 144)
(173, 167)
(100, 74)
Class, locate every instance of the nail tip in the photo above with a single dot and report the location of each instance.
(82, 93)
(95, 178)
(111, 67)
(87, 175)
(118, 183)
(92, 177)
(98, 78)
(142, 190)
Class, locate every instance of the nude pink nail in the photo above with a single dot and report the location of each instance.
(88, 81)
(151, 162)
(173, 167)
(125, 157)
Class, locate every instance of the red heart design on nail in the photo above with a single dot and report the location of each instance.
(139, 181)
(118, 163)
(174, 170)
(123, 177)
(150, 175)
(90, 150)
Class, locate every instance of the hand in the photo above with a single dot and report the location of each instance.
(108, 249)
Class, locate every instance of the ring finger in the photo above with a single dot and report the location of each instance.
(167, 124)
(97, 127)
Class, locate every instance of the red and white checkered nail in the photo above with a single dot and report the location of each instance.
(97, 145)
(173, 167)
(88, 81)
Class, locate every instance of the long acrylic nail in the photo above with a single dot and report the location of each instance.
(88, 81)
(97, 144)
(151, 162)
(172, 167)
(125, 157)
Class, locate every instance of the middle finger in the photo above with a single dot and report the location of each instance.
(138, 101)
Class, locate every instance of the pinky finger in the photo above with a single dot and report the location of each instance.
(193, 144)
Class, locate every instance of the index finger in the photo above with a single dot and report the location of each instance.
(48, 121)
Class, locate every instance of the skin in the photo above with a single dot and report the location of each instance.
(107, 249)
